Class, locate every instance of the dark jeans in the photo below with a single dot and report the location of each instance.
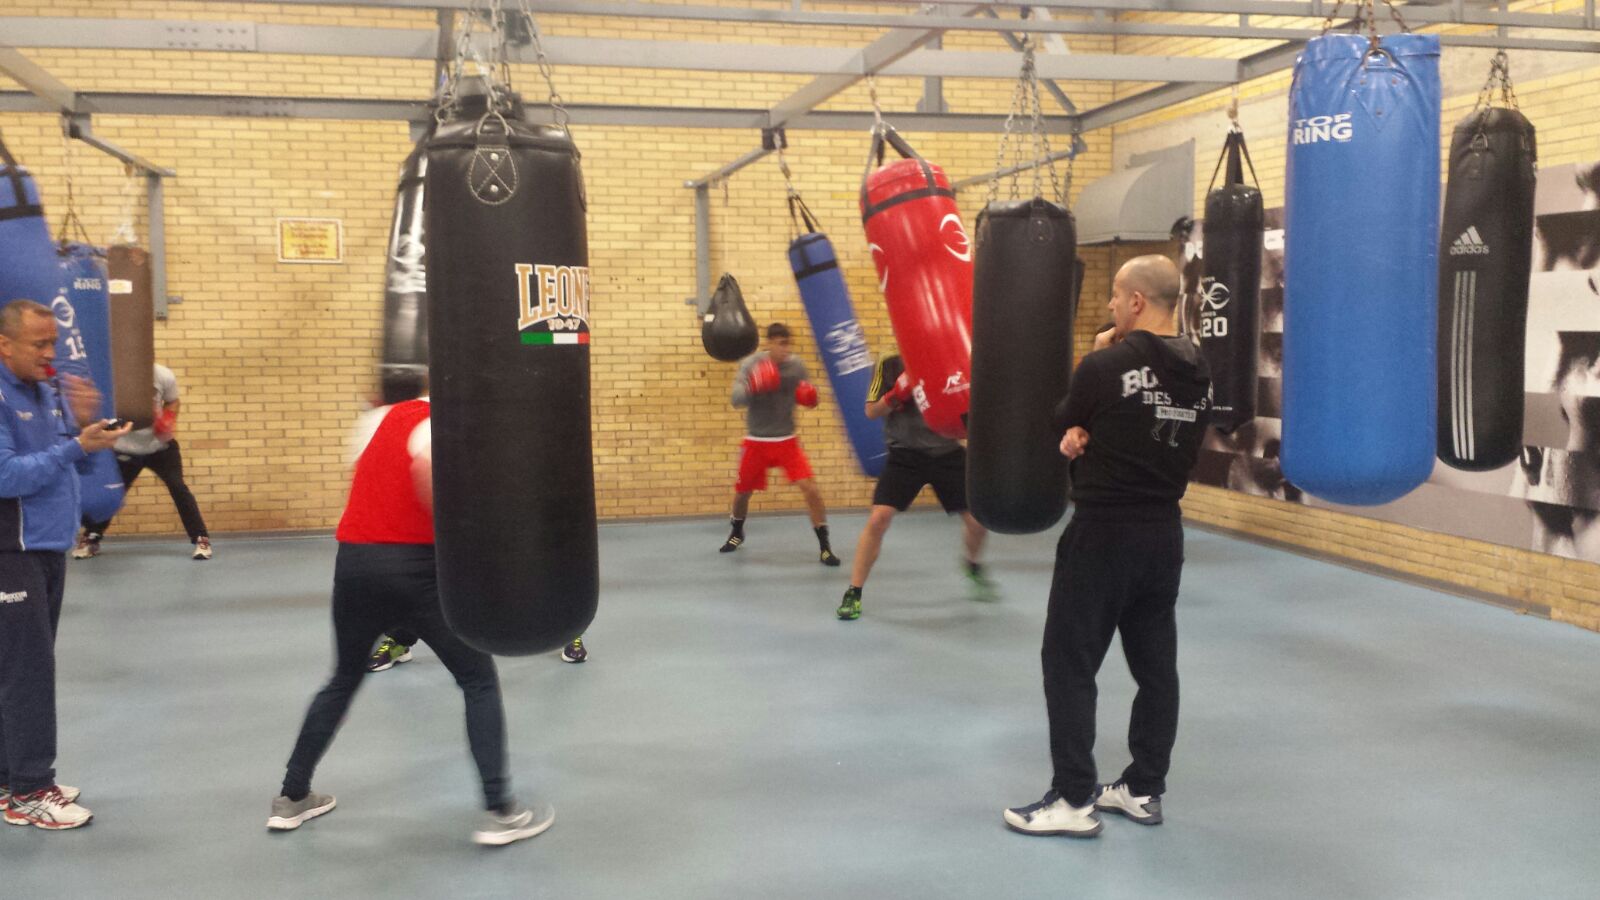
(30, 608)
(1113, 576)
(168, 466)
(377, 587)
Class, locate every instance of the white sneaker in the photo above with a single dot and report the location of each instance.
(1118, 799)
(287, 815)
(1053, 815)
(48, 809)
(70, 794)
(202, 548)
(519, 824)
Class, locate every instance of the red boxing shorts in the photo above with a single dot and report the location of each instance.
(757, 456)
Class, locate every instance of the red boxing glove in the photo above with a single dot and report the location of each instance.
(805, 394)
(764, 377)
(902, 390)
(165, 423)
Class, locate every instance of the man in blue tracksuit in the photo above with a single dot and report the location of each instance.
(40, 451)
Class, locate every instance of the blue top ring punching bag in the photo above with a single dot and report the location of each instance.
(82, 307)
(1361, 267)
(29, 268)
(840, 340)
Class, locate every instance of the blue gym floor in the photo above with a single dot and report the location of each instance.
(1342, 736)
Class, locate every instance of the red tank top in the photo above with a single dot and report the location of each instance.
(383, 507)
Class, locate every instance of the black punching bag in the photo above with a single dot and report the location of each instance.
(513, 469)
(1228, 321)
(405, 295)
(1024, 288)
(1485, 253)
(728, 331)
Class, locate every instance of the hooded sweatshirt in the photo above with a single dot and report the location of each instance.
(1144, 402)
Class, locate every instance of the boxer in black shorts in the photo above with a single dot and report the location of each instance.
(917, 458)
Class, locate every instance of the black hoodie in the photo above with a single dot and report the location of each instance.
(1144, 402)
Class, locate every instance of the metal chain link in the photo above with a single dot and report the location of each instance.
(70, 221)
(557, 104)
(1026, 102)
(1499, 78)
(877, 108)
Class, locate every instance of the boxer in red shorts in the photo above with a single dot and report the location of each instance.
(768, 386)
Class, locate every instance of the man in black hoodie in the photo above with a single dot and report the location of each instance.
(1132, 422)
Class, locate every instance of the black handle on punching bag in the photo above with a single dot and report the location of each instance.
(888, 137)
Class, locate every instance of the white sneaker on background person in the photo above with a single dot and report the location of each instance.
(48, 809)
(1054, 815)
(1117, 798)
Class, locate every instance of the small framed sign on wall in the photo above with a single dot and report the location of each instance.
(316, 241)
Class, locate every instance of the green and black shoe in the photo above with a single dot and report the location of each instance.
(850, 607)
(983, 590)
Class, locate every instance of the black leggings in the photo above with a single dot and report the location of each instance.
(168, 466)
(377, 587)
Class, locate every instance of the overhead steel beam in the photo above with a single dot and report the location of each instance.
(1254, 66)
(1416, 15)
(328, 108)
(37, 81)
(866, 61)
(77, 125)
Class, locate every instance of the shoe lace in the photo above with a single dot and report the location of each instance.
(50, 796)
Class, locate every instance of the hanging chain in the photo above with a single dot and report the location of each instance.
(70, 222)
(1499, 81)
(124, 232)
(1366, 13)
(877, 108)
(1026, 102)
(557, 104)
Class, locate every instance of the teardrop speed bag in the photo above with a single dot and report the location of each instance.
(1361, 267)
(1485, 254)
(513, 468)
(1023, 304)
(1229, 320)
(728, 331)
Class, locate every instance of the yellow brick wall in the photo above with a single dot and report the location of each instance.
(1565, 108)
(276, 360)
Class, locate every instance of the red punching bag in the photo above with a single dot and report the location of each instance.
(924, 261)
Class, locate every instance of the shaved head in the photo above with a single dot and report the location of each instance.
(1154, 276)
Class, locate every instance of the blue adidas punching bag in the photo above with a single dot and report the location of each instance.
(840, 340)
(82, 309)
(1361, 267)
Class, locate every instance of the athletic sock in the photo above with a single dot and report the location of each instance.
(738, 527)
(974, 568)
(822, 536)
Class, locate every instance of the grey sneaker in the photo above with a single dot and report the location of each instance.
(1118, 799)
(287, 815)
(519, 824)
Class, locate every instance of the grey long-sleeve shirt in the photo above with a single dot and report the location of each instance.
(769, 415)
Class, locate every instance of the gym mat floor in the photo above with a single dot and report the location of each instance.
(1342, 735)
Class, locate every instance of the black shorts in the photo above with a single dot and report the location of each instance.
(906, 471)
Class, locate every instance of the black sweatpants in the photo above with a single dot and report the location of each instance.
(168, 466)
(31, 584)
(376, 588)
(1113, 575)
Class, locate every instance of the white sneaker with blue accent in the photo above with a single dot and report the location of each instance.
(1054, 815)
(1117, 798)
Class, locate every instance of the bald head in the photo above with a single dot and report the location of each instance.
(1154, 276)
(1144, 296)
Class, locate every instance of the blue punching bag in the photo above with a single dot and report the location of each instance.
(29, 268)
(840, 340)
(82, 308)
(1361, 267)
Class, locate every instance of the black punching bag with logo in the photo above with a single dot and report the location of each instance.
(1485, 253)
(1023, 292)
(405, 295)
(513, 469)
(1228, 319)
(728, 331)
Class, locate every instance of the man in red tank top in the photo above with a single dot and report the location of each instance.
(384, 578)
